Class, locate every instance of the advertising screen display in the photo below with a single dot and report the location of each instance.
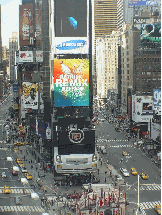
(70, 18)
(71, 82)
(71, 45)
(147, 107)
(30, 95)
(38, 23)
(143, 2)
(39, 56)
(25, 56)
(26, 25)
(142, 108)
(151, 32)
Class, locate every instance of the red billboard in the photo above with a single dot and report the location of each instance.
(26, 31)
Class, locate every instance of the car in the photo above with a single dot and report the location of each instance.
(28, 176)
(133, 171)
(157, 209)
(124, 172)
(118, 177)
(124, 153)
(144, 175)
(7, 189)
(24, 170)
(18, 160)
(19, 144)
(14, 173)
(21, 164)
(117, 129)
(18, 200)
(3, 175)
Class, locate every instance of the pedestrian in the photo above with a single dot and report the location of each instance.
(105, 179)
(105, 172)
(36, 168)
(52, 202)
(31, 166)
(101, 161)
(98, 171)
(31, 161)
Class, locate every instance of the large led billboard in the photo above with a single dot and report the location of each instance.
(71, 82)
(149, 32)
(70, 18)
(157, 101)
(26, 31)
(71, 45)
(142, 2)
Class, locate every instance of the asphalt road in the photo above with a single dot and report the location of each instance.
(150, 190)
(7, 201)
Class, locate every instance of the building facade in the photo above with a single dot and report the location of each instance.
(13, 47)
(105, 21)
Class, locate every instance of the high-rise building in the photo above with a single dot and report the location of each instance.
(105, 21)
(124, 13)
(13, 47)
(0, 37)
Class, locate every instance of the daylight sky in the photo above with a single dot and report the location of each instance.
(10, 19)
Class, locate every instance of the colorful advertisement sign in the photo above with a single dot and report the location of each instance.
(149, 32)
(143, 2)
(142, 110)
(72, 45)
(38, 23)
(25, 56)
(71, 82)
(29, 97)
(157, 101)
(15, 88)
(26, 25)
(70, 18)
(39, 56)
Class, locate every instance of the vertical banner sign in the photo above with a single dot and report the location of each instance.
(71, 82)
(38, 22)
(157, 99)
(26, 25)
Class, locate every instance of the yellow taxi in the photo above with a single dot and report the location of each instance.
(7, 189)
(124, 153)
(143, 175)
(18, 160)
(21, 164)
(133, 171)
(157, 209)
(28, 176)
(19, 144)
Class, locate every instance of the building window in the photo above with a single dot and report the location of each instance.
(127, 65)
(127, 59)
(127, 52)
(128, 72)
(127, 77)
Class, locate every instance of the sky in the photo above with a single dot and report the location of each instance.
(9, 18)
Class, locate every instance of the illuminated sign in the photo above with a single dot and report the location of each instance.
(71, 82)
(71, 45)
(76, 136)
(142, 2)
(25, 56)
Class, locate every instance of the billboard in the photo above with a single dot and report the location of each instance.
(149, 32)
(71, 82)
(29, 98)
(143, 2)
(38, 24)
(157, 101)
(142, 108)
(26, 31)
(39, 56)
(71, 45)
(15, 88)
(70, 18)
(25, 56)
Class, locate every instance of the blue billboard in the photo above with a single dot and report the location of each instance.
(157, 98)
(15, 88)
(143, 2)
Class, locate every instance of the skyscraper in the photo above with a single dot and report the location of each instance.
(105, 21)
(0, 37)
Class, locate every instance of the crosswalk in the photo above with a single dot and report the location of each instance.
(18, 190)
(149, 187)
(149, 205)
(21, 209)
(105, 140)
